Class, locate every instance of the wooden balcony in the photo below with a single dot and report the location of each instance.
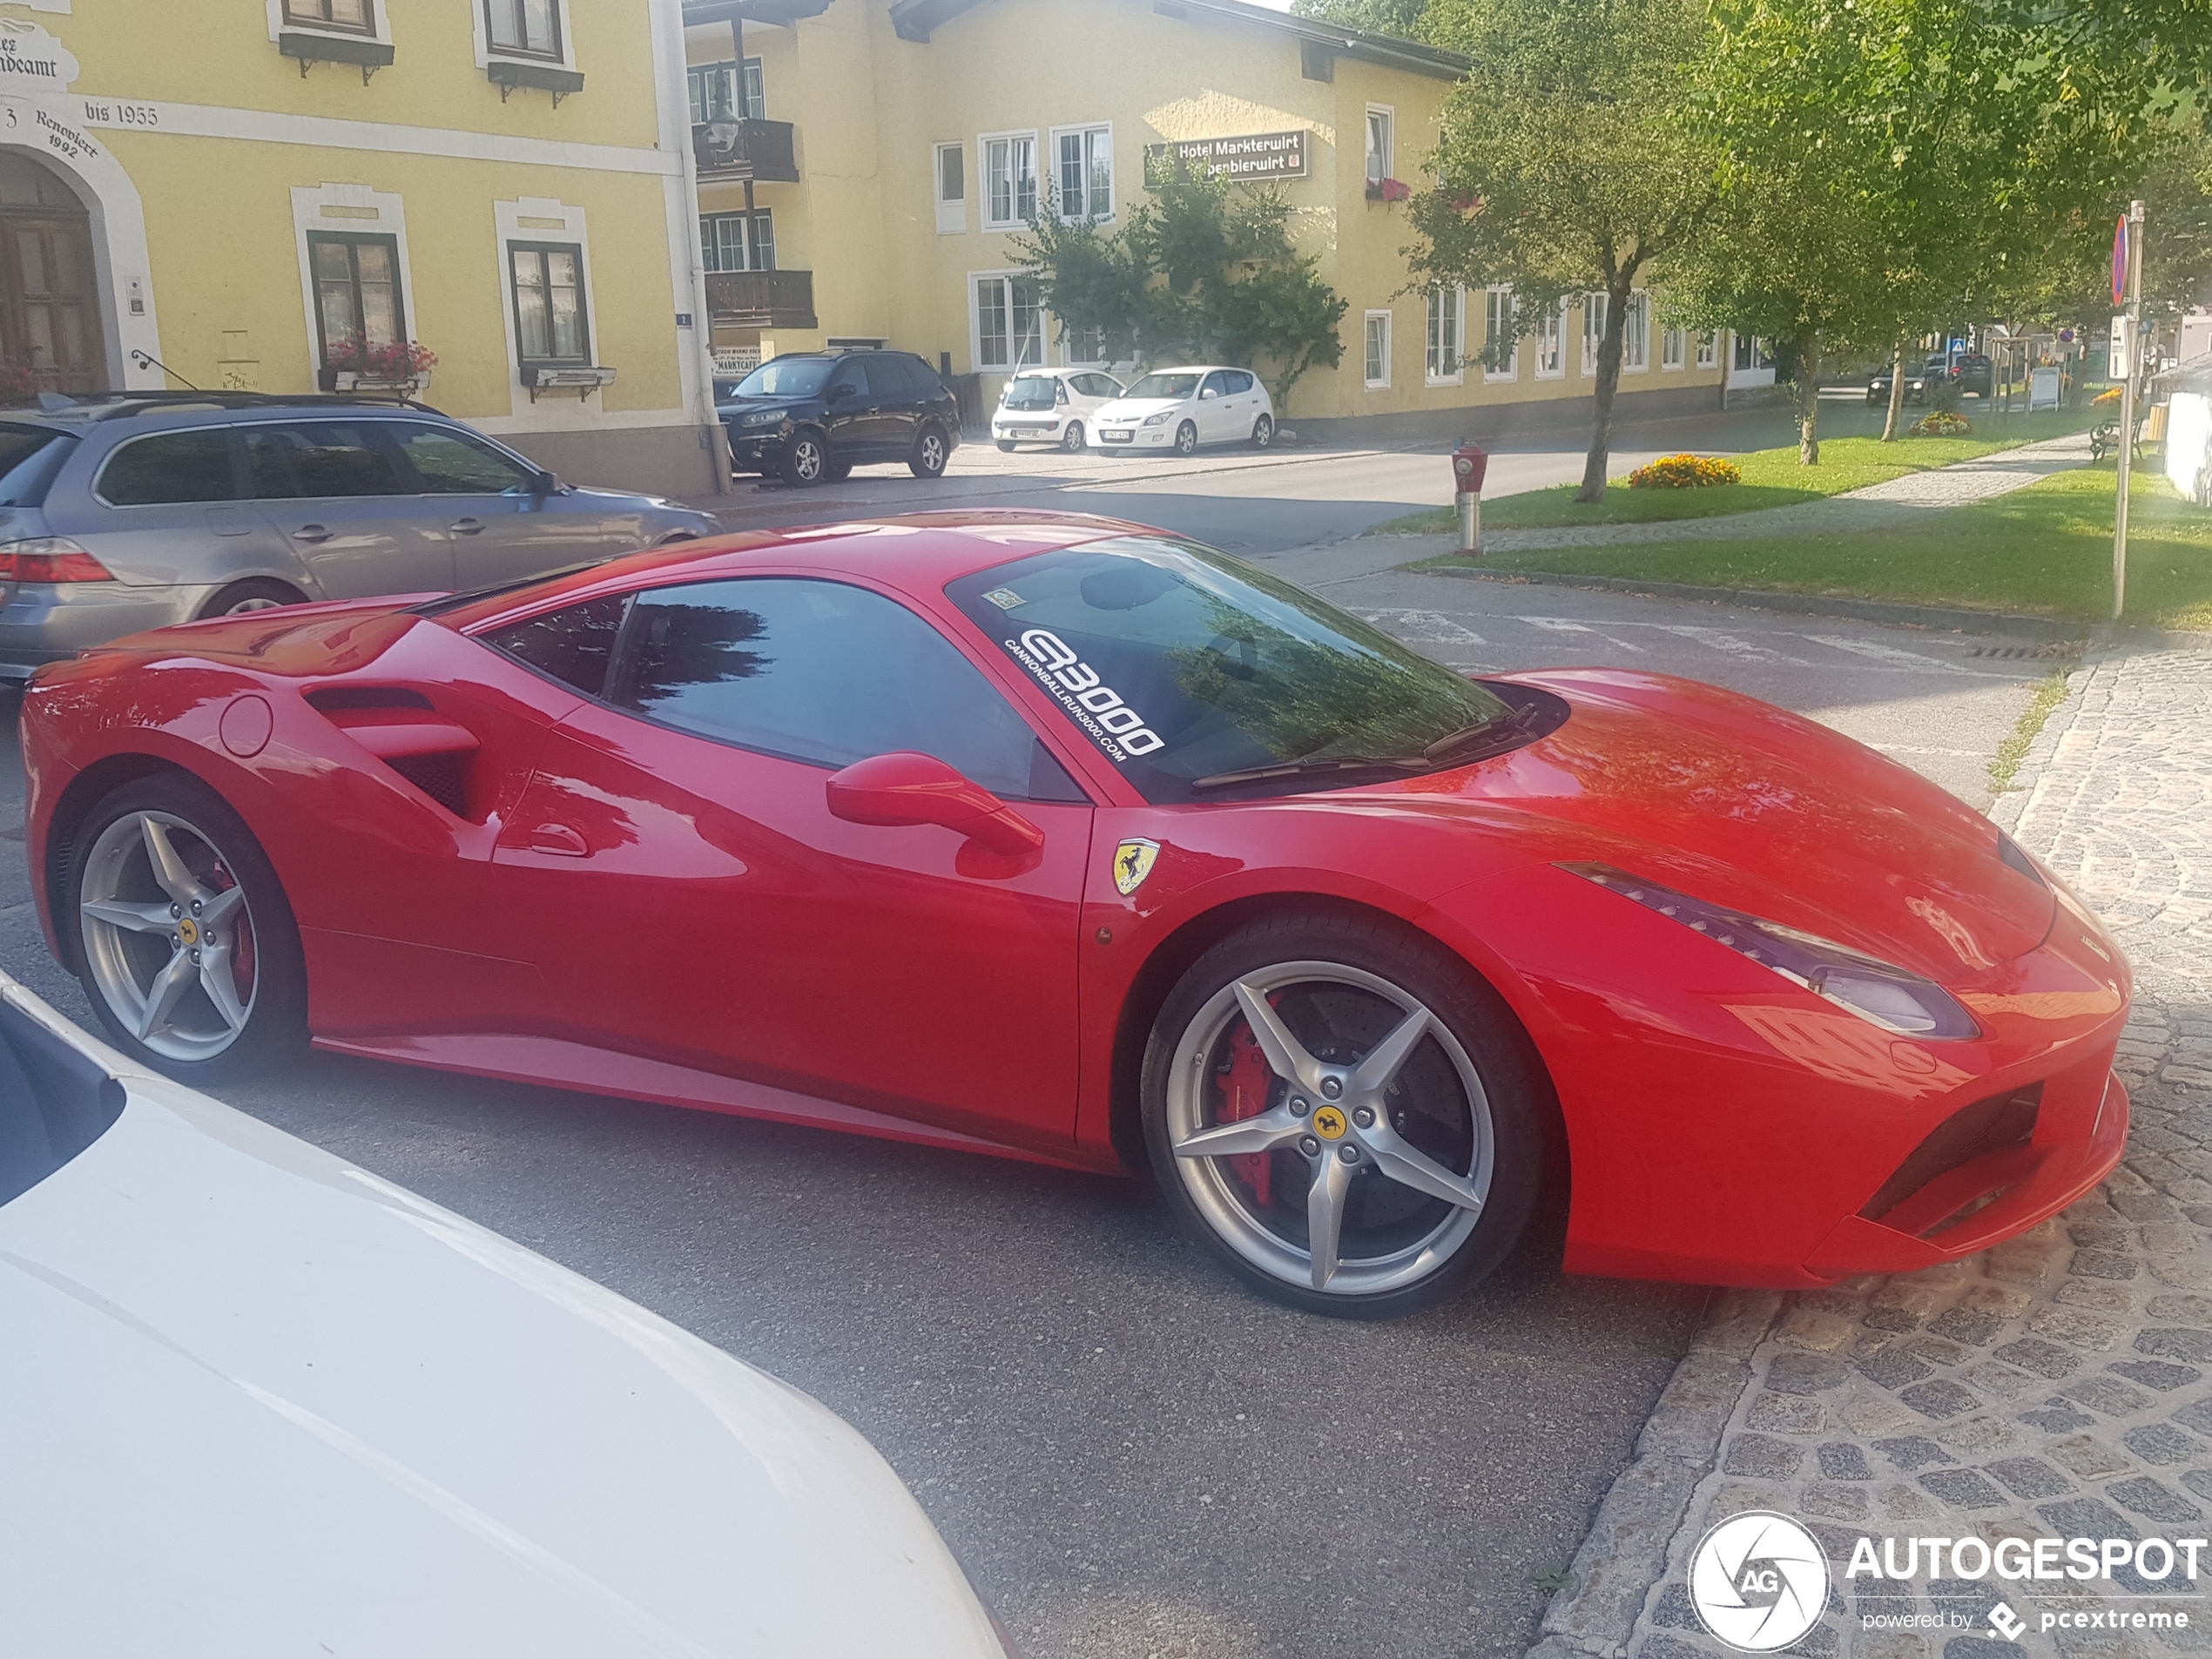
(761, 298)
(761, 150)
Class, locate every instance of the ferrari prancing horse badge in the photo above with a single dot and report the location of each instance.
(1132, 863)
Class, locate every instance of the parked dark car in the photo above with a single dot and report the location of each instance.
(1974, 373)
(807, 416)
(1920, 379)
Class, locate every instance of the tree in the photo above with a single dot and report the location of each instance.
(1401, 18)
(1204, 269)
(1568, 165)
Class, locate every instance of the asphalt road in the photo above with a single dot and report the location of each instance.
(1132, 1456)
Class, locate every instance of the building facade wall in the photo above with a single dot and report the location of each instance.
(866, 221)
(206, 157)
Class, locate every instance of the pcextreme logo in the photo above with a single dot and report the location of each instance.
(1758, 1582)
(1117, 728)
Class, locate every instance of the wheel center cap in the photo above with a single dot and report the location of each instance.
(188, 930)
(1328, 1123)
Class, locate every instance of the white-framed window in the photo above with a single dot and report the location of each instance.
(1551, 334)
(1500, 346)
(1008, 322)
(1751, 353)
(1380, 122)
(1448, 315)
(1082, 347)
(1594, 308)
(1009, 179)
(729, 244)
(948, 171)
(1635, 334)
(1708, 351)
(1378, 358)
(718, 93)
(1083, 172)
(1672, 345)
(524, 28)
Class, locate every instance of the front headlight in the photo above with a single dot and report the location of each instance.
(1889, 997)
(1161, 418)
(762, 417)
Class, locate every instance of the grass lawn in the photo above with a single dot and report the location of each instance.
(1771, 478)
(2044, 551)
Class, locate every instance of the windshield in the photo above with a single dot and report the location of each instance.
(1164, 386)
(30, 457)
(1031, 392)
(787, 377)
(1182, 664)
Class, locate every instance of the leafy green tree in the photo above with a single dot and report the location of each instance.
(1204, 269)
(1400, 17)
(1568, 161)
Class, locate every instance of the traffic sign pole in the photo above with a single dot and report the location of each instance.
(2128, 267)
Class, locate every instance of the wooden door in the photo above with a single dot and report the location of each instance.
(50, 315)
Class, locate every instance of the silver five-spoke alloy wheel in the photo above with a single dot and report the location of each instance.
(1330, 1128)
(168, 936)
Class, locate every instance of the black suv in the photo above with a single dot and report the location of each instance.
(806, 416)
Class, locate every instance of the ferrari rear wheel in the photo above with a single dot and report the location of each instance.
(1344, 1114)
(187, 946)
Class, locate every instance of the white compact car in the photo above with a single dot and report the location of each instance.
(1181, 408)
(1051, 406)
(257, 1402)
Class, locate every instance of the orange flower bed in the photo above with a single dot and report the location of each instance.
(1938, 423)
(1685, 472)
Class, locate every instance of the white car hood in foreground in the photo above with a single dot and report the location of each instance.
(254, 1401)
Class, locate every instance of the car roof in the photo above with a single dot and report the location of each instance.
(78, 414)
(920, 552)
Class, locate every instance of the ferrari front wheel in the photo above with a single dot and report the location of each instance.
(1344, 1115)
(185, 944)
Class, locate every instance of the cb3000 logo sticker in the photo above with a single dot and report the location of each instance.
(1096, 706)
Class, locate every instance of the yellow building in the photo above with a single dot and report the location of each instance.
(278, 194)
(864, 168)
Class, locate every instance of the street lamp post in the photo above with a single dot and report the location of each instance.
(2132, 254)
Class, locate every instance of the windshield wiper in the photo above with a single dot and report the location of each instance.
(1311, 766)
(1472, 743)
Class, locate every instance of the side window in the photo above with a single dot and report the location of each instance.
(1237, 382)
(1216, 384)
(170, 466)
(824, 673)
(326, 458)
(1098, 386)
(849, 381)
(449, 463)
(887, 380)
(574, 646)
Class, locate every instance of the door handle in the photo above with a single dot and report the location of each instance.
(466, 526)
(312, 533)
(560, 839)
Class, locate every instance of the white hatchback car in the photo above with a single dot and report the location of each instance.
(1181, 408)
(258, 1401)
(1051, 406)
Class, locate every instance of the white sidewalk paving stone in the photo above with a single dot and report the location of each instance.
(2053, 1387)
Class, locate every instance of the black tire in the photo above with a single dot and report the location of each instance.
(932, 450)
(256, 593)
(805, 459)
(1503, 1151)
(1005, 446)
(1186, 438)
(1263, 432)
(1875, 400)
(1071, 439)
(838, 471)
(269, 975)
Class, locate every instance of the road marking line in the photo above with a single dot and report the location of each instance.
(1431, 626)
(1908, 749)
(1903, 659)
(1562, 625)
(1721, 641)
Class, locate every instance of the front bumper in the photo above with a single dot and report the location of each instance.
(758, 451)
(1022, 431)
(44, 622)
(1122, 437)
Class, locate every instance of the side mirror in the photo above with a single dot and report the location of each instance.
(545, 483)
(904, 788)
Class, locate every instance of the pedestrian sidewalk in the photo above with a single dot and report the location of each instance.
(1900, 501)
(2055, 1386)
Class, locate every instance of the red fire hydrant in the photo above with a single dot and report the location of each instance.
(1469, 463)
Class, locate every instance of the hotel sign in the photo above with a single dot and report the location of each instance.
(1250, 157)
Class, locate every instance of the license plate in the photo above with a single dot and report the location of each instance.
(1118, 437)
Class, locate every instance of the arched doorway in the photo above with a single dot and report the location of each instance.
(49, 312)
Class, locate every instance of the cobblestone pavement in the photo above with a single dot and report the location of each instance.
(1900, 501)
(2055, 1387)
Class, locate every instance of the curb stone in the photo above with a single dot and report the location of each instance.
(2053, 1384)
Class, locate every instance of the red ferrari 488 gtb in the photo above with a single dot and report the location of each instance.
(1071, 840)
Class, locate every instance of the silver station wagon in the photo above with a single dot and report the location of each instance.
(135, 510)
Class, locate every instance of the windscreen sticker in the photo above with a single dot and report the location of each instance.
(1004, 598)
(1097, 707)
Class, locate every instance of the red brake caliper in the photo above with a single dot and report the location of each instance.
(1244, 1093)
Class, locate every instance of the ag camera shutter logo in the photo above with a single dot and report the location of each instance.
(1758, 1582)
